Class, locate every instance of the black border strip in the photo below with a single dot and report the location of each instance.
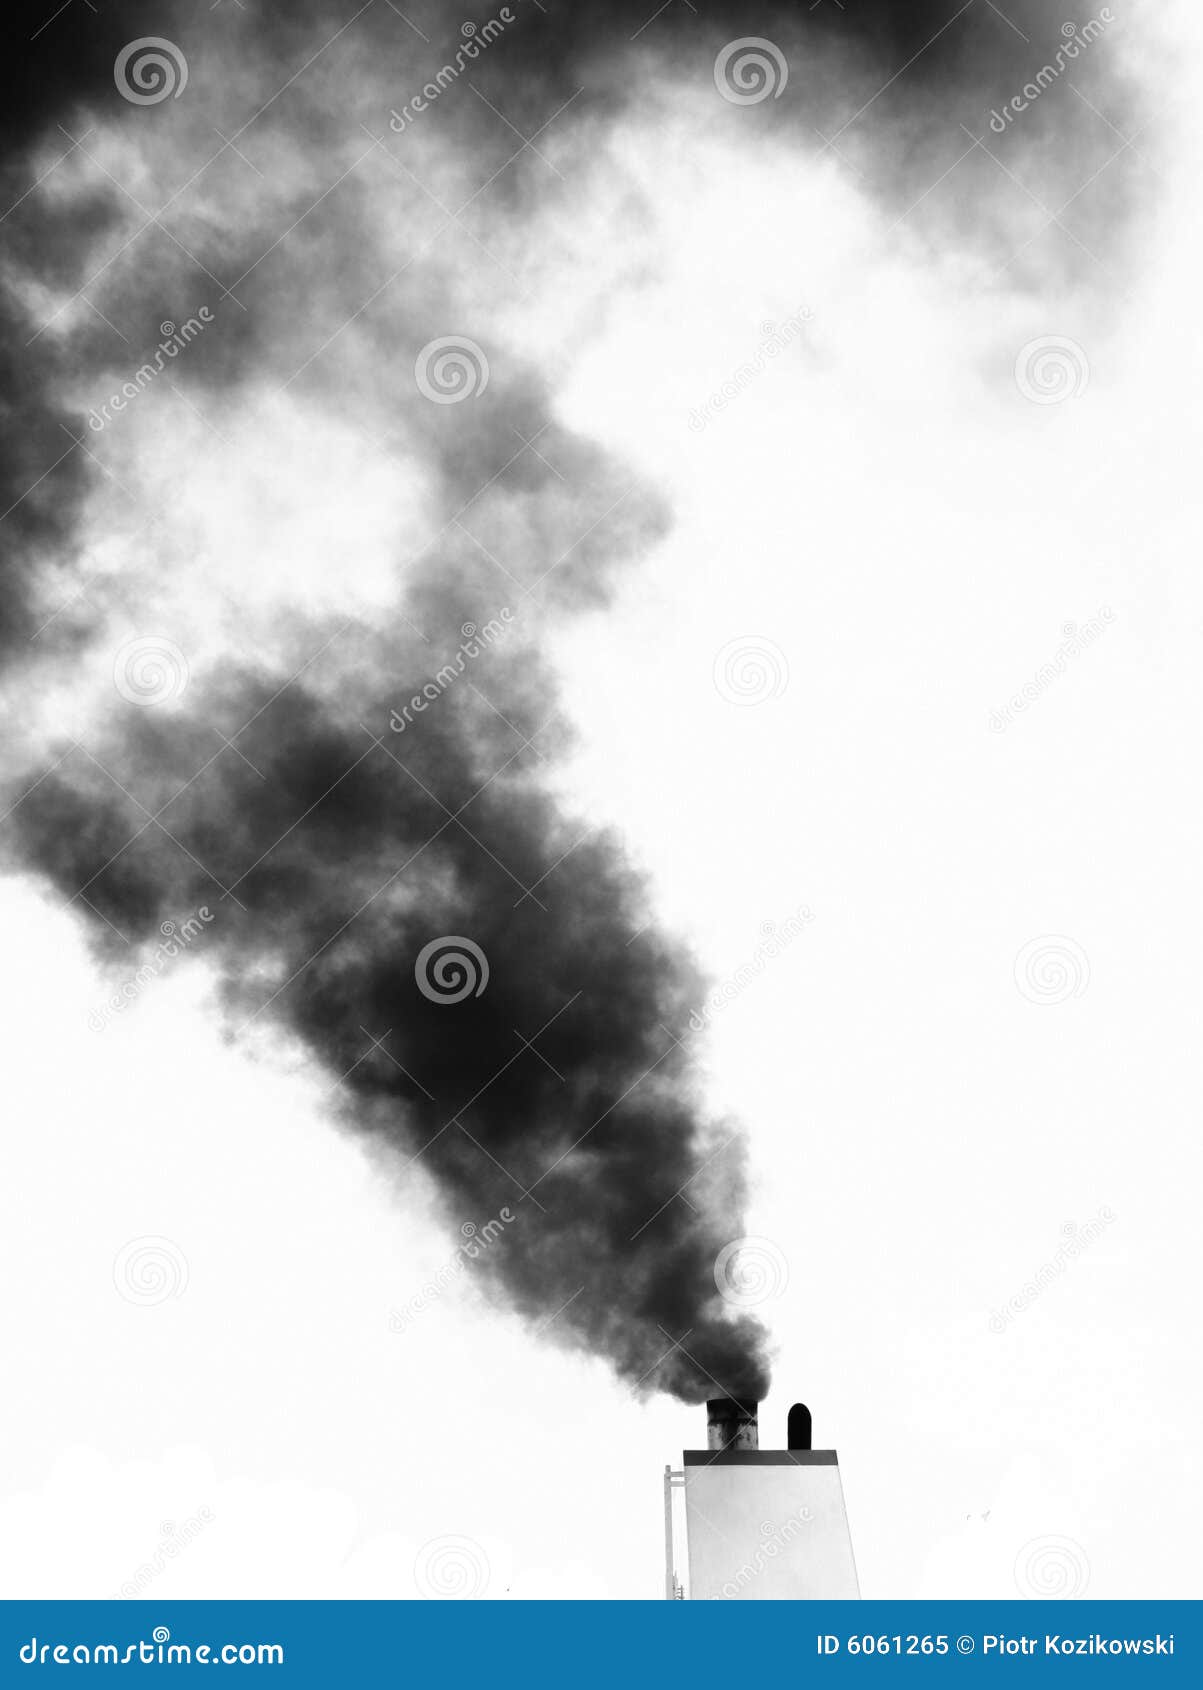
(760, 1458)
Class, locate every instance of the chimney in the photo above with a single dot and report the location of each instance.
(798, 1432)
(731, 1423)
(734, 1493)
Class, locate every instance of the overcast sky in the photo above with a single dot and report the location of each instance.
(953, 923)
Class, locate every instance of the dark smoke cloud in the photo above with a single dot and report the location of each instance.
(946, 45)
(41, 484)
(583, 1135)
(341, 848)
(901, 87)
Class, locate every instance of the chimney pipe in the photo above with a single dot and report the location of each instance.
(731, 1423)
(798, 1431)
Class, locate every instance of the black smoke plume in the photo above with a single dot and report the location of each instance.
(362, 803)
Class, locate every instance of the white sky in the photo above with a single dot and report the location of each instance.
(912, 535)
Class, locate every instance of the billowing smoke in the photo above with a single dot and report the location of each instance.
(350, 782)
